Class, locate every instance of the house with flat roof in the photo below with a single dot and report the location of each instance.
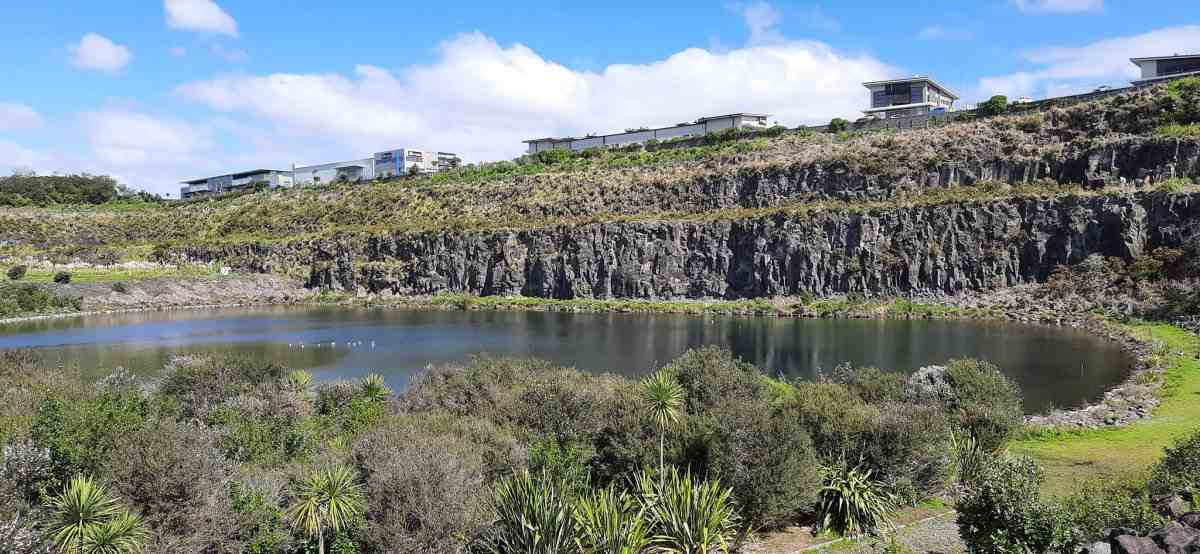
(916, 95)
(698, 127)
(222, 184)
(381, 165)
(1159, 68)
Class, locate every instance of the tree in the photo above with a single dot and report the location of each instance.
(329, 498)
(995, 105)
(86, 519)
(837, 125)
(664, 399)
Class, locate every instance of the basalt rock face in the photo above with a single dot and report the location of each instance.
(942, 249)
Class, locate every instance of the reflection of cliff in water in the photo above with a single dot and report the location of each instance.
(1054, 366)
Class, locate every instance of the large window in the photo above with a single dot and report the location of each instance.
(1175, 67)
(895, 94)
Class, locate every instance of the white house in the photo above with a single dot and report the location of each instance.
(221, 184)
(1166, 67)
(915, 95)
(381, 165)
(636, 136)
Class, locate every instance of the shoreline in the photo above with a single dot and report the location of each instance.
(1132, 399)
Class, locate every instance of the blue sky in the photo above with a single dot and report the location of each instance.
(158, 91)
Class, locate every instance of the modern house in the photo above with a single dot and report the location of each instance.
(698, 127)
(381, 165)
(1166, 67)
(917, 95)
(221, 184)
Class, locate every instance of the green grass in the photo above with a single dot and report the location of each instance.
(1070, 456)
(112, 275)
(1177, 130)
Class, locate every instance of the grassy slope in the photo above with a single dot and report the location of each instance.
(112, 275)
(1074, 455)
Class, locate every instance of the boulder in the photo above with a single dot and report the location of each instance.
(1173, 507)
(1130, 544)
(1175, 538)
(1191, 519)
(1096, 548)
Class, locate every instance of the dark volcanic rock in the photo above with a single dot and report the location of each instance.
(942, 249)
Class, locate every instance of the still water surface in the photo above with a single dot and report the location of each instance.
(1055, 367)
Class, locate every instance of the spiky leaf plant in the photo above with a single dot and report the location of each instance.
(375, 388)
(689, 516)
(82, 506)
(329, 498)
(531, 517)
(611, 521)
(852, 504)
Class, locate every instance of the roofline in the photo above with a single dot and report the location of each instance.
(1154, 58)
(914, 79)
(648, 130)
(1165, 77)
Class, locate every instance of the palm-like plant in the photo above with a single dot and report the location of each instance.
(532, 517)
(374, 388)
(82, 506)
(690, 516)
(329, 498)
(123, 534)
(852, 504)
(664, 399)
(298, 379)
(611, 522)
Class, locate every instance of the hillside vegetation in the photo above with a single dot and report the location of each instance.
(1049, 153)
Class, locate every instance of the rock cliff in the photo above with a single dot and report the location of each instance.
(937, 249)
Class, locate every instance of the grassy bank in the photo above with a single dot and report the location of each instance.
(851, 306)
(85, 275)
(1071, 456)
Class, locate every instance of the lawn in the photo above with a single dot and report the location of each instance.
(1071, 456)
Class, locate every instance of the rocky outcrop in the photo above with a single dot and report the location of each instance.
(1179, 536)
(905, 251)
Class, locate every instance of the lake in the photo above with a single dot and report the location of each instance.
(1055, 367)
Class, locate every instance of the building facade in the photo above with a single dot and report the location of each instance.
(698, 127)
(222, 184)
(381, 165)
(909, 97)
(1166, 67)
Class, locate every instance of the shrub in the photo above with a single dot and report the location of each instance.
(1105, 504)
(765, 458)
(710, 375)
(871, 384)
(17, 272)
(62, 277)
(837, 419)
(426, 483)
(987, 403)
(20, 299)
(1174, 185)
(838, 125)
(1179, 467)
(120, 287)
(995, 105)
(852, 504)
(1002, 511)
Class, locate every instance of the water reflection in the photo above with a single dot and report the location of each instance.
(1055, 367)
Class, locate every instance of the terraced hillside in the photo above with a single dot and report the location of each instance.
(972, 205)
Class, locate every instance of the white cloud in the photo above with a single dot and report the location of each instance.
(1058, 6)
(481, 99)
(14, 157)
(98, 53)
(1078, 69)
(18, 117)
(199, 15)
(762, 18)
(124, 138)
(939, 32)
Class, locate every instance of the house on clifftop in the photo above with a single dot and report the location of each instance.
(1166, 67)
(699, 127)
(914, 96)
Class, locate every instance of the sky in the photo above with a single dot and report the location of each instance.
(153, 92)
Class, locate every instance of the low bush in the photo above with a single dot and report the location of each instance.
(1179, 467)
(1107, 504)
(531, 516)
(62, 277)
(17, 272)
(18, 299)
(120, 287)
(688, 514)
(1002, 511)
(838, 125)
(986, 403)
(995, 105)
